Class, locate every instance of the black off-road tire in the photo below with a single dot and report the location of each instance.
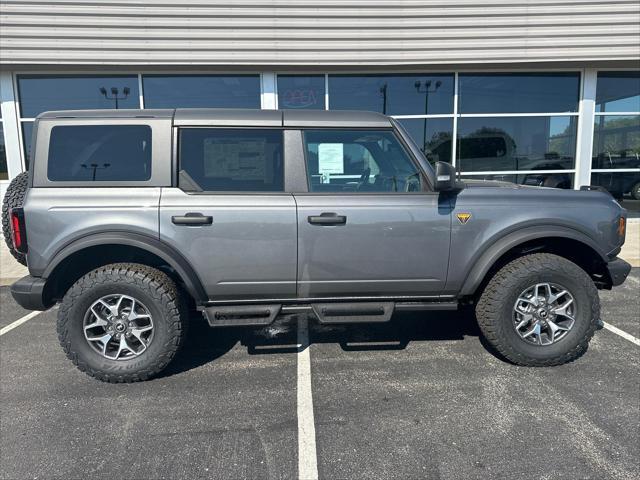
(155, 290)
(14, 198)
(494, 310)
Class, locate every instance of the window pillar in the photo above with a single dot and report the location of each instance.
(268, 92)
(10, 124)
(584, 144)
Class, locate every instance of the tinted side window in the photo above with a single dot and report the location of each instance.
(100, 153)
(358, 161)
(232, 160)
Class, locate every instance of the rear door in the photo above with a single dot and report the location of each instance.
(368, 226)
(229, 215)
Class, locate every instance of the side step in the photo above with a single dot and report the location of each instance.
(369, 312)
(243, 315)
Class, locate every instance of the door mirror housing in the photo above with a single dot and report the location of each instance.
(446, 178)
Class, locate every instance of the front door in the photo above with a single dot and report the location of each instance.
(229, 216)
(368, 227)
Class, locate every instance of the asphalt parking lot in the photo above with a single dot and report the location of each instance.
(420, 397)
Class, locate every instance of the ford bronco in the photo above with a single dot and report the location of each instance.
(130, 219)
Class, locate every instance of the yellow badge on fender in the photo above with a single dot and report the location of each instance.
(463, 217)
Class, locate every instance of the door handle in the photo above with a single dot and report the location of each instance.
(192, 218)
(327, 218)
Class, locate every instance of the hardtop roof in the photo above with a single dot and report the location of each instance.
(239, 117)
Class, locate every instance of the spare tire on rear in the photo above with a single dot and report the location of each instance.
(13, 198)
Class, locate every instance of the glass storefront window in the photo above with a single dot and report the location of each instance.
(616, 142)
(201, 91)
(301, 92)
(619, 184)
(392, 94)
(516, 143)
(519, 92)
(432, 135)
(40, 93)
(4, 172)
(551, 180)
(618, 92)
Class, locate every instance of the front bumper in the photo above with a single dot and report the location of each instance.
(29, 292)
(618, 271)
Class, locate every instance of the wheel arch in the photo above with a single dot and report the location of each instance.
(93, 251)
(563, 241)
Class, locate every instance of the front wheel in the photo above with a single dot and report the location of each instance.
(122, 322)
(539, 310)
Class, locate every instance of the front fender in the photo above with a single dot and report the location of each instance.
(487, 257)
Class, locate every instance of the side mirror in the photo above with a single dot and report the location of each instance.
(446, 178)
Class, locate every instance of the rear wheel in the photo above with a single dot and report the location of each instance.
(635, 191)
(14, 198)
(122, 322)
(539, 310)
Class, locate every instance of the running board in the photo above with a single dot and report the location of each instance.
(368, 312)
(244, 315)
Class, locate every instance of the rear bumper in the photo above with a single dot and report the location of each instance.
(618, 271)
(29, 293)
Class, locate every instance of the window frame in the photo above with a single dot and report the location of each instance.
(592, 127)
(176, 161)
(160, 152)
(425, 186)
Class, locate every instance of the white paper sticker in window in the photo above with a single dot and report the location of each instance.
(330, 158)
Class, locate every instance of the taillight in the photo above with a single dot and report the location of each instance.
(18, 230)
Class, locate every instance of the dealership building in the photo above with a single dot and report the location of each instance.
(540, 92)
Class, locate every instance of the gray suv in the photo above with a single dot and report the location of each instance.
(131, 219)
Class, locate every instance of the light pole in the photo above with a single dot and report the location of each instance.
(426, 90)
(114, 94)
(383, 92)
(95, 167)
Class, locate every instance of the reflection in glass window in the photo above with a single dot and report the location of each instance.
(392, 94)
(516, 143)
(518, 92)
(618, 92)
(4, 173)
(27, 130)
(432, 136)
(622, 185)
(201, 91)
(301, 92)
(99, 153)
(616, 142)
(231, 160)
(358, 161)
(551, 180)
(40, 93)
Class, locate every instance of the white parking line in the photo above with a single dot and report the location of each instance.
(622, 333)
(18, 322)
(307, 457)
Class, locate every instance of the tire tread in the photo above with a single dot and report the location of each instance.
(490, 304)
(155, 283)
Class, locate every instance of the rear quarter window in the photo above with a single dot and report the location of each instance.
(88, 153)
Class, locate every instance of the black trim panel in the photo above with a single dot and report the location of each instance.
(29, 293)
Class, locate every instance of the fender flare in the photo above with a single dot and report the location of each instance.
(481, 266)
(152, 245)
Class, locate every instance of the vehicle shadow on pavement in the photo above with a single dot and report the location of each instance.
(205, 344)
